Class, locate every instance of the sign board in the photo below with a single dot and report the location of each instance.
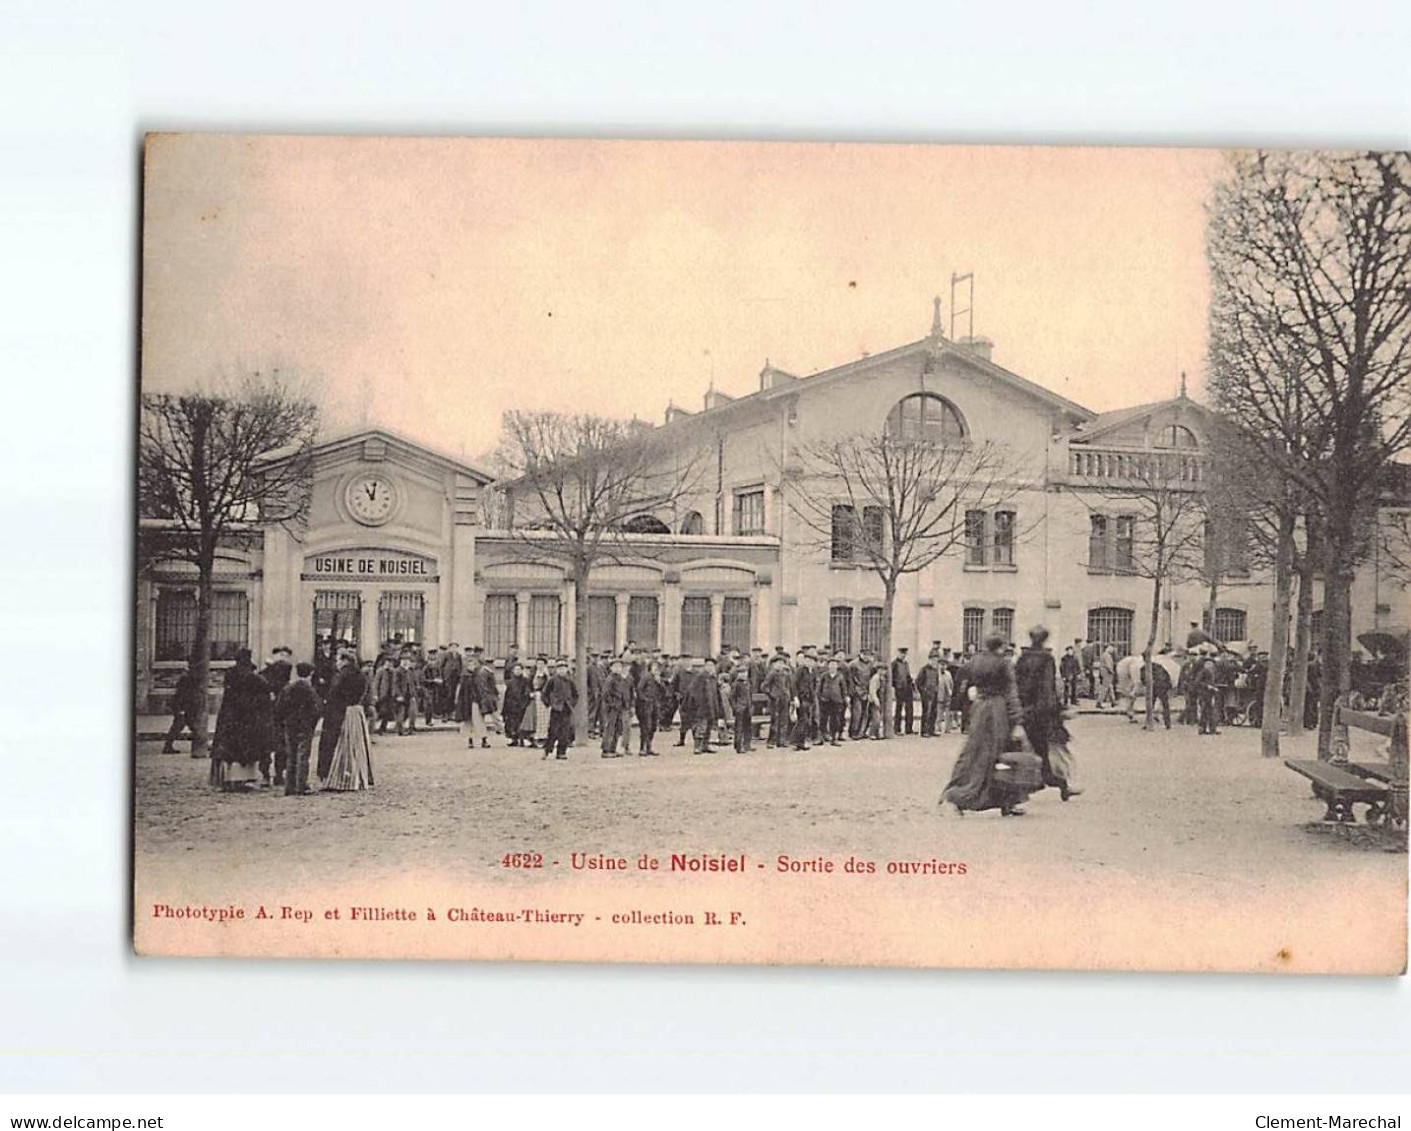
(369, 565)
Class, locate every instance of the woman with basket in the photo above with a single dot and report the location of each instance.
(992, 772)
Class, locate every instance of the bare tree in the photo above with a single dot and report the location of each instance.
(1164, 496)
(211, 467)
(896, 505)
(1310, 255)
(575, 480)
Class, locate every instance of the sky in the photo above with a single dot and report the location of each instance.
(427, 285)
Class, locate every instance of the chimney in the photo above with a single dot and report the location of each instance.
(978, 344)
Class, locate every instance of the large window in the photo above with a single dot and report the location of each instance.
(643, 622)
(844, 532)
(338, 615)
(501, 624)
(1123, 545)
(1111, 626)
(871, 630)
(1002, 624)
(1097, 542)
(401, 617)
(874, 529)
(1229, 625)
(176, 623)
(840, 628)
(602, 624)
(544, 637)
(735, 624)
(975, 528)
(925, 416)
(972, 628)
(1177, 436)
(1004, 538)
(749, 512)
(695, 626)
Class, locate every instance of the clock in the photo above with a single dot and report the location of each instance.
(371, 499)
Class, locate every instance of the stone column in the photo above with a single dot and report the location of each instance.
(521, 621)
(717, 609)
(621, 599)
(670, 628)
(569, 619)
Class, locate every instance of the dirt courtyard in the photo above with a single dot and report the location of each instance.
(1165, 818)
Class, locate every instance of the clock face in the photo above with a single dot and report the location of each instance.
(371, 499)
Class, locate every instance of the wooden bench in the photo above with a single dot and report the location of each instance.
(1377, 771)
(1341, 790)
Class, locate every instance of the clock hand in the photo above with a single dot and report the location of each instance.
(371, 489)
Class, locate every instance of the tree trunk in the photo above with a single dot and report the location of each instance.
(1302, 645)
(1278, 639)
(1212, 602)
(889, 600)
(1335, 668)
(1147, 658)
(580, 653)
(201, 656)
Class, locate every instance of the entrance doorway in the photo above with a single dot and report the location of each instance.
(337, 616)
(401, 617)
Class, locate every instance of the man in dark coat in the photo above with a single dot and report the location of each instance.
(651, 694)
(779, 687)
(832, 697)
(296, 714)
(904, 689)
(560, 696)
(1069, 669)
(276, 674)
(928, 686)
(699, 704)
(185, 706)
(452, 667)
(742, 705)
(1158, 684)
(616, 700)
(805, 691)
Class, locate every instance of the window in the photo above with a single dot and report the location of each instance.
(645, 524)
(871, 629)
(693, 523)
(338, 615)
(695, 626)
(1004, 538)
(1177, 436)
(643, 622)
(602, 624)
(874, 527)
(1229, 625)
(840, 628)
(1097, 542)
(544, 625)
(176, 623)
(1315, 626)
(1002, 624)
(972, 628)
(501, 624)
(975, 538)
(401, 617)
(844, 532)
(749, 512)
(735, 624)
(1111, 626)
(925, 416)
(1123, 547)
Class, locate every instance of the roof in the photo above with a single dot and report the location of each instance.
(943, 347)
(1105, 422)
(358, 435)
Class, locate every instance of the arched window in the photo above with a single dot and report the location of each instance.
(1177, 436)
(693, 523)
(925, 416)
(645, 524)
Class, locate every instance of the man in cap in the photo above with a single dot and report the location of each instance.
(904, 688)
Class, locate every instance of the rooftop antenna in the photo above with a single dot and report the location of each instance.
(1183, 384)
(969, 311)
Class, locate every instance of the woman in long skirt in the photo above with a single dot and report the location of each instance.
(536, 702)
(345, 695)
(352, 759)
(243, 726)
(974, 784)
